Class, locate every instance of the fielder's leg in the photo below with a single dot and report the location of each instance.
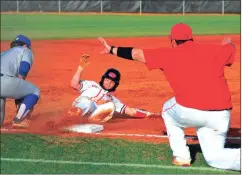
(18, 88)
(176, 134)
(2, 101)
(27, 105)
(212, 139)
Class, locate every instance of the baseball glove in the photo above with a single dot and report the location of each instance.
(84, 61)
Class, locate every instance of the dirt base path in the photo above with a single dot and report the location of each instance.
(55, 61)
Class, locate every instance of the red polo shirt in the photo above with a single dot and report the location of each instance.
(195, 73)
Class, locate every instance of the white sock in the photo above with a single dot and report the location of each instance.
(21, 112)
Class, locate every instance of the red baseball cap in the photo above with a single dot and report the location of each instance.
(181, 32)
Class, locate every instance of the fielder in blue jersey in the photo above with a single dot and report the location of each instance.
(15, 65)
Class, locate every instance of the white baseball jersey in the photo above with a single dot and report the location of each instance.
(96, 93)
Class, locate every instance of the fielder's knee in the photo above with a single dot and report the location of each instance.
(216, 163)
(37, 92)
(211, 159)
(31, 99)
(218, 160)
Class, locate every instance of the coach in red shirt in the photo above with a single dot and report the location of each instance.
(202, 98)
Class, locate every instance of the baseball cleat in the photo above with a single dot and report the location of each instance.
(180, 162)
(74, 112)
(21, 123)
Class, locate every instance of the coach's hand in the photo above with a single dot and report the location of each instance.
(106, 46)
(226, 40)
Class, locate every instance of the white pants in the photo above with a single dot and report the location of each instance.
(211, 126)
(91, 109)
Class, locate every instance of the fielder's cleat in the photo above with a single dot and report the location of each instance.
(180, 162)
(21, 123)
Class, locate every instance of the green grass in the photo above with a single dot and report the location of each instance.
(79, 155)
(53, 26)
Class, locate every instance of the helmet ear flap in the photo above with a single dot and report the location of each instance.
(110, 90)
(101, 82)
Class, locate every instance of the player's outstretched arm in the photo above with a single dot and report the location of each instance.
(75, 81)
(129, 53)
(139, 113)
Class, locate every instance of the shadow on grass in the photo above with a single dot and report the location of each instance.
(194, 149)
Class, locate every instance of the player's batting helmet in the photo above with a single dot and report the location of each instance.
(181, 31)
(112, 74)
(21, 40)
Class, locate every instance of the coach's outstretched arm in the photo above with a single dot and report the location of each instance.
(129, 53)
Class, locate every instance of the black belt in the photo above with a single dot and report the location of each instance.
(5, 75)
(221, 109)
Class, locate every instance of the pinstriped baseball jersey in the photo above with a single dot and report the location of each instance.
(96, 93)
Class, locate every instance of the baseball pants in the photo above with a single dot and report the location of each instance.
(211, 127)
(92, 110)
(15, 88)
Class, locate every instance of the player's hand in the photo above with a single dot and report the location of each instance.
(151, 115)
(226, 40)
(84, 60)
(107, 47)
(148, 115)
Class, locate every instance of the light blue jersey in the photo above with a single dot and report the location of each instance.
(12, 58)
(15, 65)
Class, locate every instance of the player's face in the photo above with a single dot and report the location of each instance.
(108, 84)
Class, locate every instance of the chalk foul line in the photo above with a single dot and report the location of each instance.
(109, 164)
(6, 130)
